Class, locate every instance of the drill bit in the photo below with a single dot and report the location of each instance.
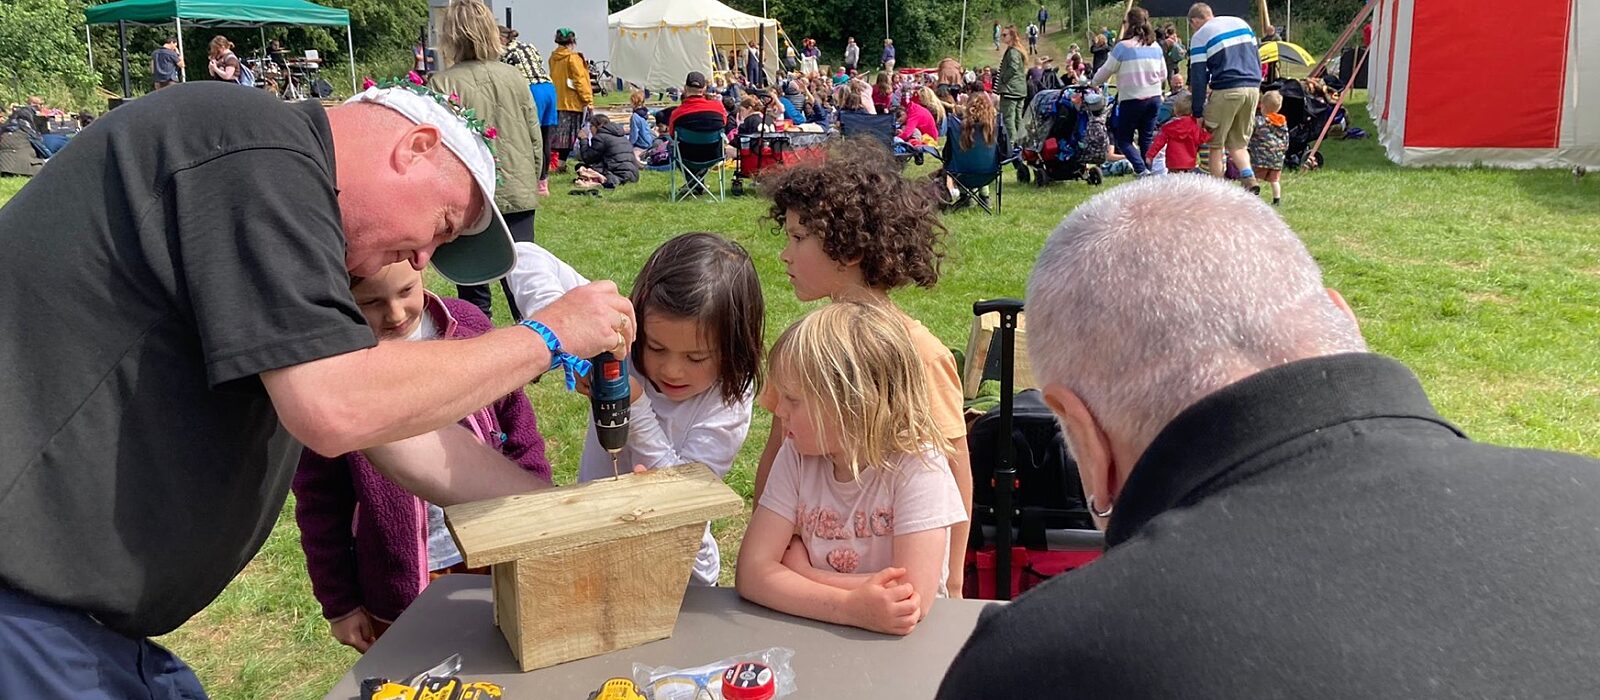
(616, 472)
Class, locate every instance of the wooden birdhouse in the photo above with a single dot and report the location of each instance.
(593, 568)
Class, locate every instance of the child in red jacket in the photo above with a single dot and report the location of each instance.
(1182, 137)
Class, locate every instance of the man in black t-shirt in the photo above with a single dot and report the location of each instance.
(197, 247)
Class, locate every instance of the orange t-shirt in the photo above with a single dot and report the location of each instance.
(944, 381)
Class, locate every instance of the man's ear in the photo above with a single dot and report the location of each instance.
(414, 146)
(1338, 300)
(1090, 447)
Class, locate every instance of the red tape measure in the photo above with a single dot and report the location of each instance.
(749, 681)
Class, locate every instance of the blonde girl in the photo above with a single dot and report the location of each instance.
(853, 526)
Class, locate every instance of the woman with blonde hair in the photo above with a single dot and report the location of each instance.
(499, 94)
(224, 65)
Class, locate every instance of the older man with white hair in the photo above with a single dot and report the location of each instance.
(1285, 513)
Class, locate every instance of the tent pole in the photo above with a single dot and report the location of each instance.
(962, 51)
(263, 30)
(89, 39)
(122, 40)
(1288, 19)
(886, 20)
(182, 71)
(350, 45)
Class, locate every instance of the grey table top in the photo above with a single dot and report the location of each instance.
(455, 615)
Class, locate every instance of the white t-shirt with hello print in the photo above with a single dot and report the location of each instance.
(850, 527)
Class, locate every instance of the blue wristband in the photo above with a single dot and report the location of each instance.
(573, 365)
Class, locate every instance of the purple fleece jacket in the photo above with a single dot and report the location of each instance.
(366, 539)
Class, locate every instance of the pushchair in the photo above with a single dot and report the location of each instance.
(600, 78)
(1030, 520)
(1055, 141)
(1304, 114)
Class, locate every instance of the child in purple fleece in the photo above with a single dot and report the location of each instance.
(370, 545)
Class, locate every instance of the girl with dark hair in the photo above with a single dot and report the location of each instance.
(1141, 69)
(694, 365)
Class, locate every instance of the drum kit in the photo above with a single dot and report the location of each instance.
(292, 78)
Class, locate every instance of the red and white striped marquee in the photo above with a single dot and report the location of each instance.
(1510, 84)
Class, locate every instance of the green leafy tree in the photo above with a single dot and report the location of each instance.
(43, 53)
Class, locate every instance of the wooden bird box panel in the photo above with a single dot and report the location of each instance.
(593, 568)
(553, 520)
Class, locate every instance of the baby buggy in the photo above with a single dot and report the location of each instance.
(1304, 113)
(1057, 142)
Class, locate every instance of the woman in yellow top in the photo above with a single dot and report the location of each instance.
(574, 97)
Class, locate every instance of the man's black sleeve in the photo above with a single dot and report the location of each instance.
(261, 263)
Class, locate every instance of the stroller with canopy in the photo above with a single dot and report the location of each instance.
(1305, 112)
(1056, 141)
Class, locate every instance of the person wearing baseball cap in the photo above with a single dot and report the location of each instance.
(179, 322)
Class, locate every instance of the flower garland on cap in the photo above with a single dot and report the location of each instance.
(414, 83)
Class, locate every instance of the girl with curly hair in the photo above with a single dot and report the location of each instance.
(862, 478)
(856, 230)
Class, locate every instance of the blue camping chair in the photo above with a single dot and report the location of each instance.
(878, 127)
(974, 168)
(695, 154)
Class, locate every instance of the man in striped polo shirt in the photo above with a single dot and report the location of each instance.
(1223, 57)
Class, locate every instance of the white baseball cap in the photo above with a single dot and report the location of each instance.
(483, 252)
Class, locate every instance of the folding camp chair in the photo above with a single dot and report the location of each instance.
(878, 127)
(705, 155)
(974, 168)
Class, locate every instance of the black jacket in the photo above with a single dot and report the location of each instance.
(611, 153)
(1318, 531)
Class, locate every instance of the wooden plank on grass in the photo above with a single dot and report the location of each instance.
(983, 338)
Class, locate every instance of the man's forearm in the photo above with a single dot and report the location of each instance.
(400, 389)
(450, 466)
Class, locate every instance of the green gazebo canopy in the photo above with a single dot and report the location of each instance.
(218, 13)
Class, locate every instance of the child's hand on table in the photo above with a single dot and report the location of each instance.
(354, 630)
(886, 603)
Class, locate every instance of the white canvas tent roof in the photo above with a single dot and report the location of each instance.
(656, 43)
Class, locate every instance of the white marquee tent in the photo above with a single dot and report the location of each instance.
(655, 43)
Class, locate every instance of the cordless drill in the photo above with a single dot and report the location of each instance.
(608, 397)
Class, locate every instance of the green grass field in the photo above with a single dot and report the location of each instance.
(1486, 282)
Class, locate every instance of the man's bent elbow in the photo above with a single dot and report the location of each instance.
(320, 426)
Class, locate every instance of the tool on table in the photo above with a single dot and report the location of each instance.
(617, 689)
(749, 680)
(437, 683)
(609, 398)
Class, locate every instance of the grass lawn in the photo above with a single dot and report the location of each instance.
(1485, 282)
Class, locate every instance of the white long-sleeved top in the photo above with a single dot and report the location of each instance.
(1140, 70)
(539, 278)
(661, 432)
(666, 433)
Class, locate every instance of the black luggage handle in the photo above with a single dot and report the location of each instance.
(1005, 477)
(1002, 306)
